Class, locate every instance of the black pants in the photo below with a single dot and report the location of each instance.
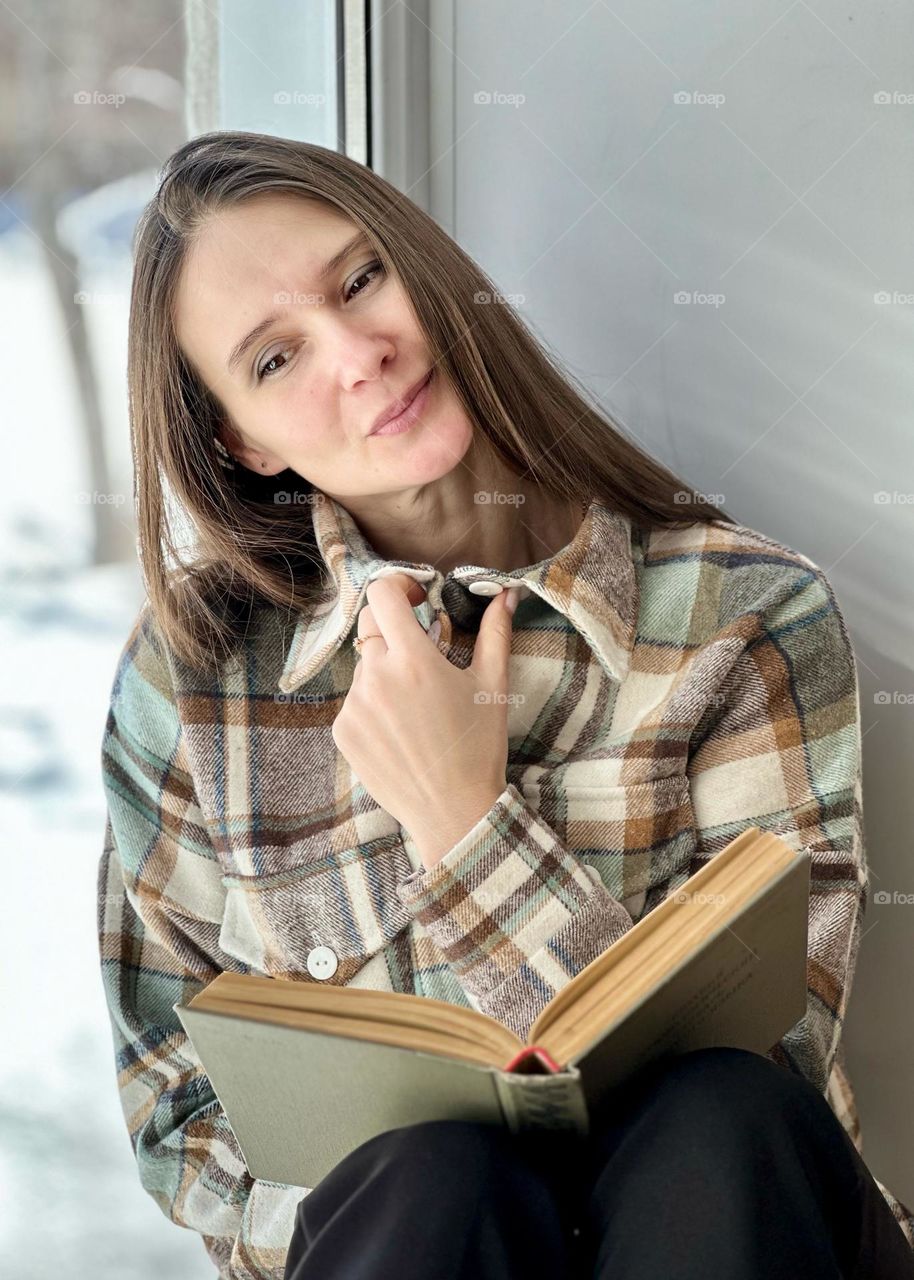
(717, 1163)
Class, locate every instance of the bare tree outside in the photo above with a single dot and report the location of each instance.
(95, 98)
(92, 103)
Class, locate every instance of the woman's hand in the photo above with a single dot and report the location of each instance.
(428, 741)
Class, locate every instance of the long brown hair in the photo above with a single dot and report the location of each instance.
(246, 546)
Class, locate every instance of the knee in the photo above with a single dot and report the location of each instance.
(448, 1157)
(717, 1086)
(734, 1071)
(718, 1095)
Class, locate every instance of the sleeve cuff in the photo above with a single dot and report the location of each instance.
(515, 913)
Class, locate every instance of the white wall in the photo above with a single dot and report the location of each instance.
(600, 197)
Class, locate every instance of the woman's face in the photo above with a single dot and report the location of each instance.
(322, 357)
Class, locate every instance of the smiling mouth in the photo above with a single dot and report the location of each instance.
(408, 412)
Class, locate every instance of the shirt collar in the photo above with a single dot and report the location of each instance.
(592, 581)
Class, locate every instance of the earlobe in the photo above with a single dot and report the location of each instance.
(265, 466)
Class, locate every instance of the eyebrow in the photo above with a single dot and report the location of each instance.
(239, 349)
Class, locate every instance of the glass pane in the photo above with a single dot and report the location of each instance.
(94, 102)
(278, 64)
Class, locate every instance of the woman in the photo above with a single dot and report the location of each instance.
(410, 811)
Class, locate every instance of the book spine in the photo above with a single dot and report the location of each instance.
(543, 1101)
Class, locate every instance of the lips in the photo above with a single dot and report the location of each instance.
(397, 407)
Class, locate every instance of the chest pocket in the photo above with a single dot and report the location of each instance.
(346, 902)
(639, 836)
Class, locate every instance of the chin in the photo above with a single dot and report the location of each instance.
(435, 450)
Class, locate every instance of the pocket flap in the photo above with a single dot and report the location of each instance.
(346, 901)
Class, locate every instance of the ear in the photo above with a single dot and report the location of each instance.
(260, 461)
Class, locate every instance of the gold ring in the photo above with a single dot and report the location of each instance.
(361, 640)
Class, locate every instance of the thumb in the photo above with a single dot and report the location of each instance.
(414, 590)
(493, 644)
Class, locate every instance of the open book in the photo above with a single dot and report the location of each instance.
(306, 1072)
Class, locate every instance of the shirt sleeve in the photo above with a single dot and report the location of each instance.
(785, 755)
(516, 914)
(159, 910)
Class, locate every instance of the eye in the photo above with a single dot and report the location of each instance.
(264, 370)
(369, 271)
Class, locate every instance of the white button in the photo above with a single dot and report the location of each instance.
(486, 587)
(322, 962)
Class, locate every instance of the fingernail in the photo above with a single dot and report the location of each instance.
(513, 597)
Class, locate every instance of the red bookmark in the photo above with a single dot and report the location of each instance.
(524, 1061)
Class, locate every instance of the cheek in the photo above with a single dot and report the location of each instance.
(312, 447)
(298, 418)
(451, 419)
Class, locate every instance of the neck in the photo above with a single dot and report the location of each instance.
(444, 524)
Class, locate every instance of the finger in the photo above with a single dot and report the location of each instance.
(389, 599)
(370, 632)
(492, 651)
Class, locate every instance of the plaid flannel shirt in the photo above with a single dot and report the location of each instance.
(670, 688)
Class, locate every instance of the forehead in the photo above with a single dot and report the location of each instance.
(240, 257)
